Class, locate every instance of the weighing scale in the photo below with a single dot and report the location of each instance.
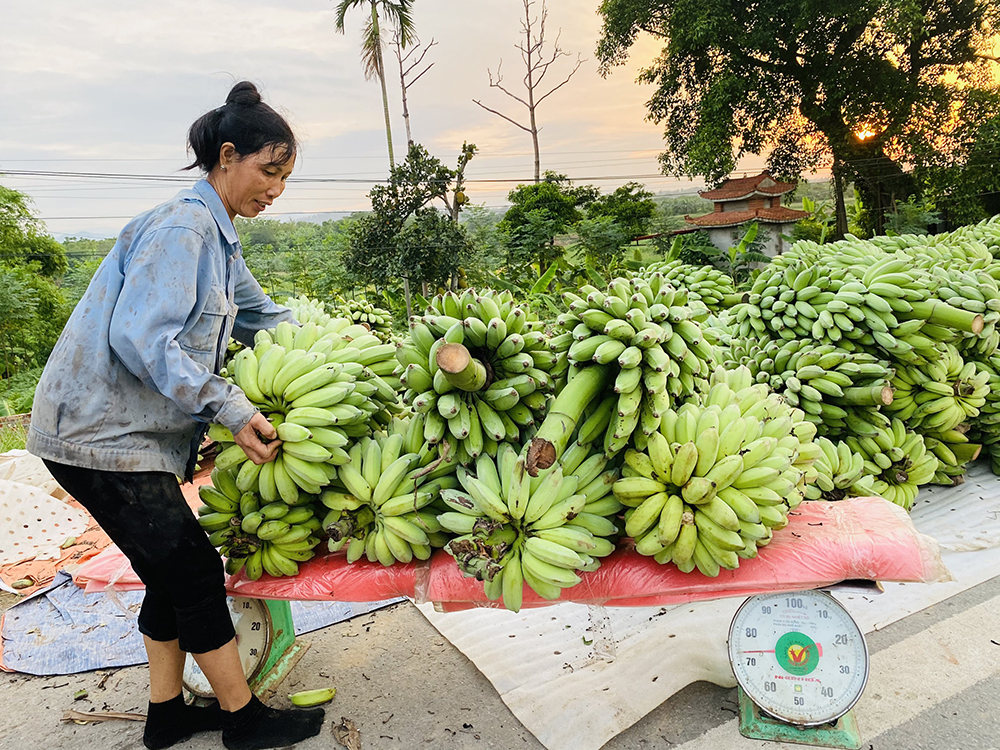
(265, 639)
(802, 664)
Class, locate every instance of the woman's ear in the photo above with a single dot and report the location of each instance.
(227, 154)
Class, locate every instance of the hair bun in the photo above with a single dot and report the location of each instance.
(245, 94)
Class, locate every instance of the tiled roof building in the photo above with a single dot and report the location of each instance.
(747, 199)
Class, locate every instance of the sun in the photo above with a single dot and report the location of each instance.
(864, 134)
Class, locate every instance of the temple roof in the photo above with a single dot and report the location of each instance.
(776, 215)
(746, 187)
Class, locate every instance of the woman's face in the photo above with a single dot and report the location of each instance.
(250, 184)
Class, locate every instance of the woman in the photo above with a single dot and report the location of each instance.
(128, 392)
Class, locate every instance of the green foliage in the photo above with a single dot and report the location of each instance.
(631, 207)
(558, 205)
(431, 248)
(33, 309)
(683, 205)
(532, 241)
(601, 240)
(22, 237)
(912, 217)
(18, 392)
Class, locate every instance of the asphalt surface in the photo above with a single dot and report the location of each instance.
(934, 685)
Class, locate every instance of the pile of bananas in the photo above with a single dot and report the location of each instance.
(362, 311)
(854, 295)
(378, 505)
(645, 334)
(717, 477)
(269, 537)
(479, 368)
(940, 395)
(840, 473)
(899, 461)
(841, 391)
(513, 528)
(318, 387)
(308, 310)
(704, 284)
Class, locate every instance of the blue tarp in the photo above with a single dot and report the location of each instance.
(61, 630)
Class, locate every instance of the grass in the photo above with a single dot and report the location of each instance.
(12, 437)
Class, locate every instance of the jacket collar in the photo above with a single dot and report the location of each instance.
(207, 193)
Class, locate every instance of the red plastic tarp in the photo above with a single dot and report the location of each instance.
(824, 543)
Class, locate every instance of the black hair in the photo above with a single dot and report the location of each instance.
(246, 122)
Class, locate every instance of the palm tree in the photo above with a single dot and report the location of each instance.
(400, 14)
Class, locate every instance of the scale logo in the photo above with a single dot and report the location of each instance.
(797, 653)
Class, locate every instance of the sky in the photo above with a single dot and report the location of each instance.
(110, 88)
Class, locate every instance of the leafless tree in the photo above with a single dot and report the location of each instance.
(537, 62)
(409, 60)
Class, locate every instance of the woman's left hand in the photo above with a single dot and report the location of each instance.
(249, 439)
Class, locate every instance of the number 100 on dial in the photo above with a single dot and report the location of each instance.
(799, 656)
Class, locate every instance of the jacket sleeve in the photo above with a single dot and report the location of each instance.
(257, 311)
(159, 306)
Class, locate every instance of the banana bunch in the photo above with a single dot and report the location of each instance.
(854, 295)
(704, 284)
(308, 310)
(318, 388)
(840, 473)
(986, 232)
(899, 460)
(977, 291)
(647, 335)
(940, 395)
(479, 368)
(954, 450)
(985, 428)
(378, 506)
(840, 391)
(513, 528)
(362, 311)
(255, 536)
(718, 477)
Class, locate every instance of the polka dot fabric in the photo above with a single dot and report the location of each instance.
(33, 521)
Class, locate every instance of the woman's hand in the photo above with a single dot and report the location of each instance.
(249, 439)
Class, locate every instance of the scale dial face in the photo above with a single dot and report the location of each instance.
(252, 622)
(799, 656)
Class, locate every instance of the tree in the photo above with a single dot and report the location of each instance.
(408, 61)
(555, 195)
(537, 62)
(631, 207)
(23, 239)
(851, 81)
(400, 14)
(375, 254)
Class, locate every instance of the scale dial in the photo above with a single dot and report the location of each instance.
(252, 622)
(799, 656)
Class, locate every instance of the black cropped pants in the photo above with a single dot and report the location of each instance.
(146, 515)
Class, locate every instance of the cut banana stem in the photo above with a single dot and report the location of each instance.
(460, 368)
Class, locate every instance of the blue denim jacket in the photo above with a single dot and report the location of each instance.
(132, 381)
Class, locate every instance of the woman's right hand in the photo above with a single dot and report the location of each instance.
(249, 439)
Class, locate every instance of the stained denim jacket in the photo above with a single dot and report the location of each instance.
(132, 381)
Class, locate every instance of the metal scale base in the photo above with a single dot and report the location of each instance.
(757, 725)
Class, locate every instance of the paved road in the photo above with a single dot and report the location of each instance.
(934, 685)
